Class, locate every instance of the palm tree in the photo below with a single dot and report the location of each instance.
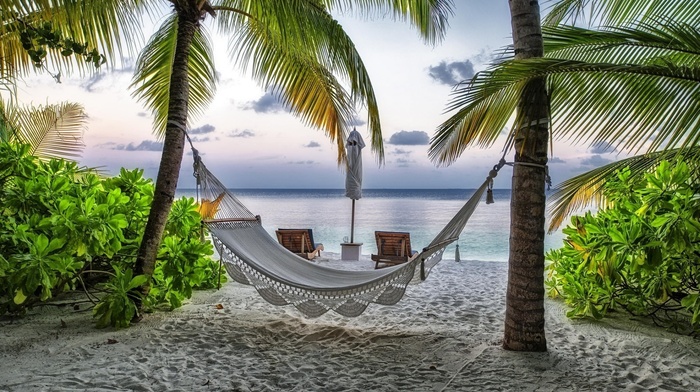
(293, 47)
(619, 85)
(524, 320)
(479, 119)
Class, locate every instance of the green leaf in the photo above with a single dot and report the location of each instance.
(137, 281)
(20, 297)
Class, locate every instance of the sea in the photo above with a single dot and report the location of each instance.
(421, 212)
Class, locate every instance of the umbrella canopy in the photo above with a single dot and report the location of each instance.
(353, 177)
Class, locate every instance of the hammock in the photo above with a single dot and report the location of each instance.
(251, 256)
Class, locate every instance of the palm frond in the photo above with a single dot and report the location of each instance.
(300, 82)
(429, 17)
(483, 107)
(638, 44)
(585, 190)
(113, 27)
(618, 12)
(151, 81)
(296, 49)
(632, 106)
(53, 131)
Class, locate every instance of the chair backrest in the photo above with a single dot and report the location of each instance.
(296, 240)
(392, 244)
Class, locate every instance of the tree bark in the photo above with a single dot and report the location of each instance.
(524, 321)
(173, 145)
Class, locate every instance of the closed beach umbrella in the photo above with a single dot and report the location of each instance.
(353, 175)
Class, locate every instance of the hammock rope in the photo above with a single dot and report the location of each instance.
(251, 256)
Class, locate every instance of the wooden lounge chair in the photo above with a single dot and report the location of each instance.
(392, 248)
(299, 241)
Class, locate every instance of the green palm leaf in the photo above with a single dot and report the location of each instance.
(301, 60)
(53, 131)
(585, 190)
(637, 44)
(647, 91)
(151, 80)
(111, 26)
(619, 12)
(428, 16)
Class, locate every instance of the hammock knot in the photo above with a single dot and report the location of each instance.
(492, 174)
(195, 165)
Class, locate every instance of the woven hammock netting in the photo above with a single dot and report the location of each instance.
(251, 256)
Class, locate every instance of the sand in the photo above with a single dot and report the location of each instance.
(443, 336)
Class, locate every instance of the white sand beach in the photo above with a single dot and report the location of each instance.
(443, 336)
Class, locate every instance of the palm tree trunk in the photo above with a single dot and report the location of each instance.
(524, 323)
(173, 145)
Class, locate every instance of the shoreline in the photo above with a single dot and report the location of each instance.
(443, 335)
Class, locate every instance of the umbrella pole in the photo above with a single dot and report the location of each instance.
(352, 224)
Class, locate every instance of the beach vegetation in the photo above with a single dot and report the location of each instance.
(294, 49)
(639, 254)
(65, 228)
(618, 73)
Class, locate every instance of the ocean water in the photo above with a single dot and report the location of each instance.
(422, 212)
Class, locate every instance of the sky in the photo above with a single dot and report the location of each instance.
(248, 140)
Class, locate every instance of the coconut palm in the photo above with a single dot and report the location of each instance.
(621, 85)
(293, 47)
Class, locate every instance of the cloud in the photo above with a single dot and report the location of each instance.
(595, 161)
(312, 144)
(268, 103)
(399, 151)
(89, 84)
(357, 122)
(245, 133)
(207, 128)
(452, 73)
(196, 139)
(556, 160)
(146, 145)
(401, 162)
(301, 162)
(142, 114)
(412, 138)
(602, 148)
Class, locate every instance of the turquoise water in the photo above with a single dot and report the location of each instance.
(422, 212)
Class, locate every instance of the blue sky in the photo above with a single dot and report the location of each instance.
(250, 141)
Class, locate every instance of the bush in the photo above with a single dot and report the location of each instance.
(63, 228)
(640, 254)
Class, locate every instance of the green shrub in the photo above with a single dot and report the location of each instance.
(62, 227)
(640, 254)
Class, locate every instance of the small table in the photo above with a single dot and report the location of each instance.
(350, 250)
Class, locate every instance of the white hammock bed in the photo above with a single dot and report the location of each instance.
(251, 256)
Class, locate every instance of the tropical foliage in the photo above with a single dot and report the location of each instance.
(640, 254)
(294, 48)
(64, 229)
(631, 85)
